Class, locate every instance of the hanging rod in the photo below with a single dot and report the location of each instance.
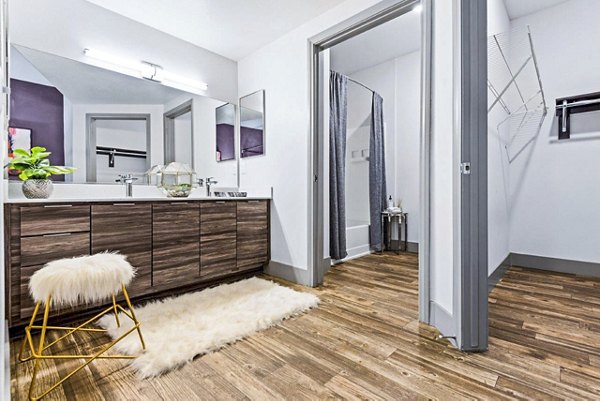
(112, 152)
(572, 105)
(361, 84)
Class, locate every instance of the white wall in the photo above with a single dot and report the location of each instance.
(382, 79)
(555, 190)
(68, 26)
(80, 128)
(398, 81)
(498, 166)
(282, 69)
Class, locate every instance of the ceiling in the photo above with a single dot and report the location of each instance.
(520, 8)
(231, 28)
(395, 38)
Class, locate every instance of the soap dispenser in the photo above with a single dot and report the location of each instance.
(390, 203)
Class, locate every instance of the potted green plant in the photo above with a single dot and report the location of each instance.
(34, 169)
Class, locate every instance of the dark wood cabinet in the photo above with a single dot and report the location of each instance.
(126, 228)
(218, 221)
(176, 243)
(176, 246)
(42, 234)
(252, 233)
(54, 219)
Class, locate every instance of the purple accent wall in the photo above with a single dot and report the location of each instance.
(226, 141)
(251, 141)
(41, 109)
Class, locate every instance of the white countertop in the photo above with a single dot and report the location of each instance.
(133, 199)
(73, 193)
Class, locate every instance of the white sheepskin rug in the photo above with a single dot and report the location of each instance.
(178, 329)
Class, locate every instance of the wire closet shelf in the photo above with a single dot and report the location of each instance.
(515, 92)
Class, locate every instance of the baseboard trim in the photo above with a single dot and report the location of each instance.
(579, 268)
(289, 273)
(412, 247)
(441, 319)
(499, 273)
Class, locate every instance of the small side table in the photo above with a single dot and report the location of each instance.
(402, 219)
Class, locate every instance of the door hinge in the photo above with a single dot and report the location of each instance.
(6, 90)
(465, 168)
(316, 178)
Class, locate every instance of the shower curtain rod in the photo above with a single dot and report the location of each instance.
(361, 84)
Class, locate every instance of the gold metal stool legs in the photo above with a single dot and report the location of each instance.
(36, 352)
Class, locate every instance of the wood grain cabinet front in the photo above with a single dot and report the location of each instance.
(46, 233)
(126, 228)
(252, 234)
(54, 219)
(218, 221)
(175, 244)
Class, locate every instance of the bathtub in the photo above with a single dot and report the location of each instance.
(357, 239)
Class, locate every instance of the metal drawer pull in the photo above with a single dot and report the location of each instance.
(179, 203)
(220, 202)
(123, 204)
(253, 201)
(57, 235)
(58, 205)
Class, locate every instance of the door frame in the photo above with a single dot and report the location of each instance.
(370, 18)
(169, 129)
(91, 118)
(470, 301)
(471, 124)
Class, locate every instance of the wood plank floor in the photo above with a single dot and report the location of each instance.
(364, 342)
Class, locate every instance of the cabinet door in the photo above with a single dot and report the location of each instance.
(126, 228)
(217, 238)
(176, 244)
(252, 234)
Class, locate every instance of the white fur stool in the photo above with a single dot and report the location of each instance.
(70, 282)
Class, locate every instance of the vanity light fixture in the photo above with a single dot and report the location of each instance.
(146, 70)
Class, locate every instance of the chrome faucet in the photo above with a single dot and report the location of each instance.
(209, 181)
(128, 180)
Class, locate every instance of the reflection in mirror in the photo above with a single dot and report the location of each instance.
(117, 145)
(225, 132)
(105, 123)
(252, 124)
(179, 139)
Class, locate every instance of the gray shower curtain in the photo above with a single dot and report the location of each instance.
(338, 113)
(377, 187)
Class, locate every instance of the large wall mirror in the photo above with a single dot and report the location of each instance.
(106, 123)
(252, 124)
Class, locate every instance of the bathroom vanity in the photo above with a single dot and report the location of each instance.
(176, 245)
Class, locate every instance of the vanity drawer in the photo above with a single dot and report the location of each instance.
(54, 219)
(41, 249)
